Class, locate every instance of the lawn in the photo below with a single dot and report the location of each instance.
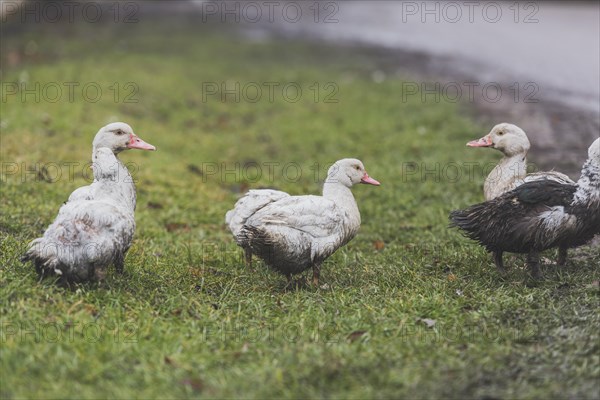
(410, 309)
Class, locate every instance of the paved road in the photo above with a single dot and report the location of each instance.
(555, 44)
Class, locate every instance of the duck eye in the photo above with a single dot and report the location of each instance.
(357, 167)
(500, 133)
(120, 132)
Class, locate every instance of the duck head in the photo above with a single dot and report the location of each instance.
(507, 138)
(349, 172)
(119, 136)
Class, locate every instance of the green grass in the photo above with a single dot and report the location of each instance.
(186, 319)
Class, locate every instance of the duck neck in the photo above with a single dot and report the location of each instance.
(504, 176)
(588, 185)
(124, 182)
(343, 197)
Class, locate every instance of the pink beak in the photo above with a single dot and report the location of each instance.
(368, 180)
(136, 143)
(485, 141)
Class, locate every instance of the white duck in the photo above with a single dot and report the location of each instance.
(511, 171)
(117, 136)
(295, 233)
(537, 215)
(94, 231)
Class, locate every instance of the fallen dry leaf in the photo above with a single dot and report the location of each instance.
(92, 310)
(378, 244)
(74, 306)
(195, 383)
(593, 285)
(430, 323)
(169, 361)
(243, 350)
(177, 226)
(354, 336)
(154, 205)
(194, 169)
(195, 272)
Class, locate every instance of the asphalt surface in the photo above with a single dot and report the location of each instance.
(543, 57)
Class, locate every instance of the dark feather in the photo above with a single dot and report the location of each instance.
(273, 250)
(514, 222)
(547, 192)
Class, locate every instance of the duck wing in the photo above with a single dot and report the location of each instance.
(248, 205)
(555, 176)
(293, 233)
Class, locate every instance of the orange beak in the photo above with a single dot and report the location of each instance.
(485, 141)
(136, 143)
(368, 180)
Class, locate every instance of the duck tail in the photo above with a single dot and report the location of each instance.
(44, 256)
(253, 236)
(259, 241)
(470, 221)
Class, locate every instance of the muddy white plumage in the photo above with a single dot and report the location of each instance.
(295, 233)
(95, 227)
(537, 215)
(511, 171)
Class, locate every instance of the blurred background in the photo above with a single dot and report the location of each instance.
(534, 64)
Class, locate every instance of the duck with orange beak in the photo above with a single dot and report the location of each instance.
(511, 171)
(294, 233)
(117, 137)
(95, 227)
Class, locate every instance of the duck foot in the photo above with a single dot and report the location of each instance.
(562, 256)
(99, 274)
(533, 261)
(289, 282)
(295, 284)
(119, 263)
(499, 263)
(248, 258)
(316, 274)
